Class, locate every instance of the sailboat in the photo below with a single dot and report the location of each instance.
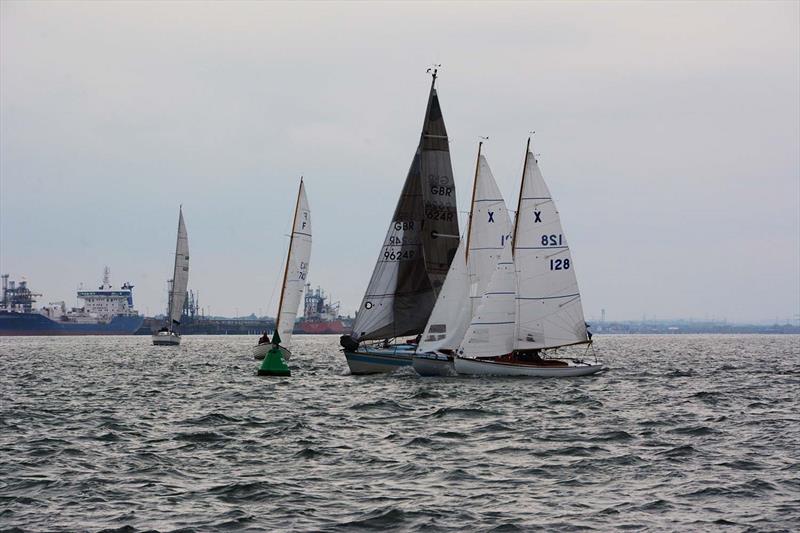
(532, 305)
(169, 334)
(488, 229)
(294, 279)
(415, 257)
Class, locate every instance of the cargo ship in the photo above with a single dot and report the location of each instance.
(106, 311)
(193, 322)
(320, 317)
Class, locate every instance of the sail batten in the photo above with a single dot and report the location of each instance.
(416, 254)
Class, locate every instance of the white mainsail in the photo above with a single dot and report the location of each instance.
(473, 265)
(180, 276)
(294, 276)
(491, 331)
(549, 311)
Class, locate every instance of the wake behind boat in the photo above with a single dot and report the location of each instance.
(169, 334)
(415, 257)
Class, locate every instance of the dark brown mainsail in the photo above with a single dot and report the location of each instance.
(421, 241)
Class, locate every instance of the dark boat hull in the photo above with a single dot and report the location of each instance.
(32, 324)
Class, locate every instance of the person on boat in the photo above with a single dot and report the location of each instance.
(588, 333)
(264, 339)
(164, 329)
(415, 340)
(532, 357)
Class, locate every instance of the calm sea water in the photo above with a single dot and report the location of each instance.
(681, 433)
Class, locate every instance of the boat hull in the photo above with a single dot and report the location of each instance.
(166, 338)
(34, 324)
(433, 364)
(260, 352)
(367, 360)
(475, 367)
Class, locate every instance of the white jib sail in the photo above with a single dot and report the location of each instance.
(296, 268)
(451, 313)
(377, 307)
(488, 231)
(180, 276)
(491, 331)
(549, 311)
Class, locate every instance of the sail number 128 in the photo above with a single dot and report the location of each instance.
(559, 264)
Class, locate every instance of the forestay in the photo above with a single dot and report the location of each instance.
(180, 275)
(420, 243)
(296, 270)
(549, 311)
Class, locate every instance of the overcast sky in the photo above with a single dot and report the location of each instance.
(669, 134)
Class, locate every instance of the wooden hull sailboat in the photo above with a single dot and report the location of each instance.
(532, 304)
(509, 367)
(169, 335)
(294, 279)
(414, 259)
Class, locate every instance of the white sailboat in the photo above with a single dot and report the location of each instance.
(414, 259)
(294, 279)
(533, 304)
(169, 335)
(488, 229)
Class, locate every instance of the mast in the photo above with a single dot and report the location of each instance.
(472, 202)
(519, 200)
(288, 255)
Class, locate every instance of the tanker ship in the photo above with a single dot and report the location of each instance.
(320, 317)
(106, 311)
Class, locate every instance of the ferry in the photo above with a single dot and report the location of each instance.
(106, 311)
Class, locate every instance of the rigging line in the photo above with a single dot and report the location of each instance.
(285, 257)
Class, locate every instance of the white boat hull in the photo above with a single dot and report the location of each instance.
(166, 338)
(369, 360)
(260, 352)
(475, 367)
(433, 364)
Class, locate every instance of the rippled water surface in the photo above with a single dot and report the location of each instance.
(681, 433)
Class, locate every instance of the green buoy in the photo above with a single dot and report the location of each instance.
(273, 364)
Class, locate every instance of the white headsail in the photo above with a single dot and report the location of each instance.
(452, 312)
(491, 331)
(180, 276)
(294, 276)
(549, 311)
(488, 230)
